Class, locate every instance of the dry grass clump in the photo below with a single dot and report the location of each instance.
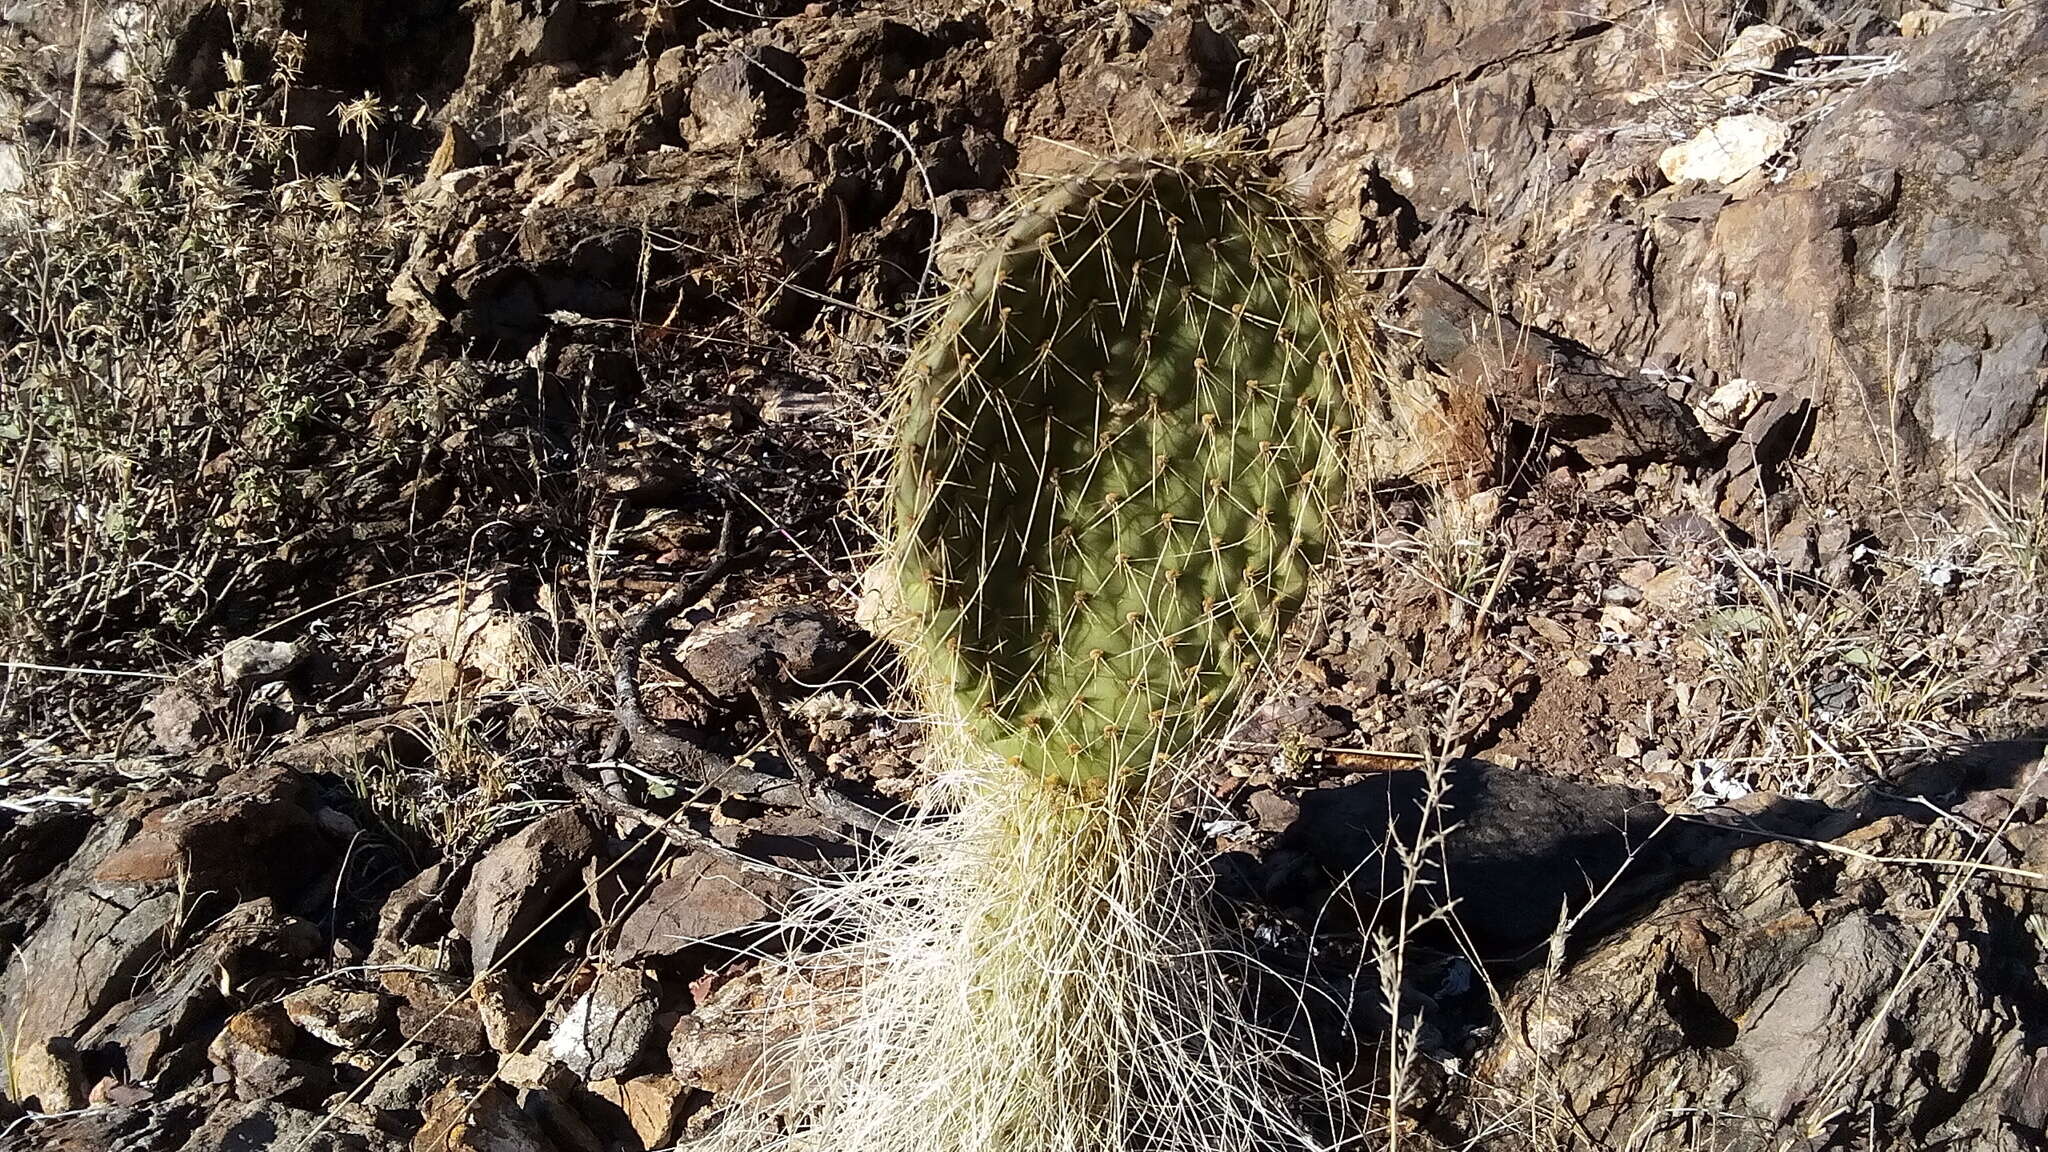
(1826, 684)
(1042, 973)
(173, 315)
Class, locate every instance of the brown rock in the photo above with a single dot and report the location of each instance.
(622, 100)
(244, 1126)
(1725, 150)
(1883, 273)
(507, 1012)
(436, 1010)
(75, 965)
(254, 1049)
(85, 955)
(654, 1105)
(1754, 468)
(754, 646)
(1674, 589)
(467, 1117)
(250, 836)
(563, 1126)
(412, 915)
(343, 1017)
(720, 1045)
(264, 1031)
(744, 97)
(1777, 986)
(1552, 631)
(519, 883)
(249, 947)
(1271, 811)
(1925, 22)
(535, 1070)
(1550, 383)
(602, 1035)
(408, 1085)
(703, 897)
(1190, 64)
(714, 1057)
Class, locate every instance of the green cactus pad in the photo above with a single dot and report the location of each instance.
(1120, 451)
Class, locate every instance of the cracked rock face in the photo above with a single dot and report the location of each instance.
(1783, 990)
(121, 902)
(1880, 270)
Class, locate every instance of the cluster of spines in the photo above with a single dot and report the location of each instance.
(1118, 459)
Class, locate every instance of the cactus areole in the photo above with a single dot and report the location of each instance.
(1122, 447)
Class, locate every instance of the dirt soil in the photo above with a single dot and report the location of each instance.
(389, 729)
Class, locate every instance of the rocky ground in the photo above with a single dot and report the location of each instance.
(432, 576)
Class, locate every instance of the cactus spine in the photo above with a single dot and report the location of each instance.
(1118, 457)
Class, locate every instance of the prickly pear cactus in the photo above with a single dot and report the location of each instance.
(1117, 462)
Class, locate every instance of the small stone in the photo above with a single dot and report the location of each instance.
(535, 1070)
(507, 1012)
(179, 721)
(1725, 409)
(342, 1017)
(474, 628)
(1552, 631)
(1926, 22)
(604, 1033)
(466, 1117)
(1757, 48)
(713, 1057)
(1675, 589)
(701, 899)
(744, 97)
(1684, 530)
(457, 151)
(518, 882)
(1612, 476)
(653, 1105)
(254, 1050)
(434, 681)
(1620, 595)
(435, 1012)
(753, 646)
(1621, 620)
(1272, 812)
(569, 180)
(406, 1086)
(1639, 574)
(625, 97)
(1725, 150)
(1794, 549)
(248, 661)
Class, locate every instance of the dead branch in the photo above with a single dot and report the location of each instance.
(654, 745)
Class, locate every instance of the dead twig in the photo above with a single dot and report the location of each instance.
(818, 795)
(652, 743)
(595, 797)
